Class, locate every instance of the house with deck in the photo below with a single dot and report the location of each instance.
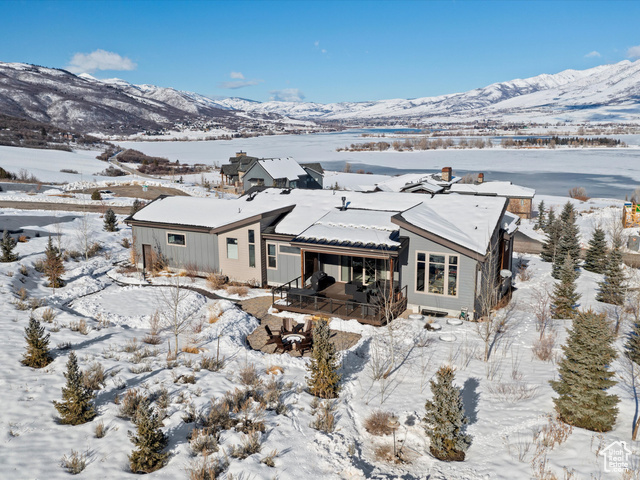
(367, 256)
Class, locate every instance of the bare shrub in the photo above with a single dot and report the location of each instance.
(384, 453)
(213, 313)
(213, 364)
(215, 281)
(191, 349)
(153, 338)
(206, 469)
(75, 462)
(325, 420)
(191, 270)
(131, 346)
(202, 441)
(579, 193)
(129, 403)
(239, 290)
(79, 326)
(249, 376)
(274, 370)
(543, 347)
(93, 378)
(101, 430)
(38, 266)
(251, 443)
(378, 423)
(269, 460)
(555, 432)
(48, 315)
(513, 391)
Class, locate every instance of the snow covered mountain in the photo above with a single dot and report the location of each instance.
(600, 94)
(85, 104)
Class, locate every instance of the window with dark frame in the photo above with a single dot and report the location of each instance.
(271, 256)
(176, 239)
(252, 249)
(437, 274)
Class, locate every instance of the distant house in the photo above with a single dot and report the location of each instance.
(280, 173)
(247, 172)
(366, 256)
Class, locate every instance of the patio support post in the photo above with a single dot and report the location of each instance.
(302, 267)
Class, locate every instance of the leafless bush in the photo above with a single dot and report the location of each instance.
(377, 423)
(384, 453)
(213, 364)
(543, 347)
(325, 420)
(215, 281)
(513, 391)
(579, 193)
(130, 403)
(75, 462)
(79, 326)
(249, 376)
(206, 469)
(251, 443)
(269, 460)
(48, 315)
(203, 442)
(93, 378)
(101, 430)
(555, 432)
(239, 290)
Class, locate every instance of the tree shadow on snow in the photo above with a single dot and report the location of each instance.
(470, 399)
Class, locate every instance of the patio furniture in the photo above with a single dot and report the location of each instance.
(433, 313)
(275, 339)
(320, 280)
(350, 288)
(361, 296)
(287, 326)
(308, 326)
(304, 345)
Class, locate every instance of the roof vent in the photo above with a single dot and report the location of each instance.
(286, 191)
(344, 204)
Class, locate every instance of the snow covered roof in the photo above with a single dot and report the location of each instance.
(501, 189)
(282, 168)
(431, 182)
(509, 222)
(465, 221)
(355, 228)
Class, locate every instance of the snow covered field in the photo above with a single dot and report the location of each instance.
(507, 399)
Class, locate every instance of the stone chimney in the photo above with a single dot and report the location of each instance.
(480, 178)
(241, 154)
(446, 174)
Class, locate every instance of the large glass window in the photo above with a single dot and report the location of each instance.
(345, 268)
(232, 248)
(176, 239)
(271, 255)
(289, 250)
(363, 270)
(437, 274)
(252, 249)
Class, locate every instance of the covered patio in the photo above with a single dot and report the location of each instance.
(349, 269)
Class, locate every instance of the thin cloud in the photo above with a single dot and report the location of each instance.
(99, 60)
(317, 45)
(287, 95)
(593, 54)
(238, 81)
(634, 52)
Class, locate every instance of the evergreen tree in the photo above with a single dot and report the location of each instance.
(596, 257)
(584, 375)
(550, 246)
(564, 298)
(632, 346)
(541, 223)
(37, 354)
(612, 289)
(137, 205)
(149, 440)
(569, 241)
(110, 221)
(53, 265)
(95, 195)
(76, 406)
(551, 218)
(323, 380)
(445, 419)
(7, 244)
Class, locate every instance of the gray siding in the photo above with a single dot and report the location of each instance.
(466, 277)
(256, 172)
(330, 264)
(315, 180)
(288, 267)
(201, 248)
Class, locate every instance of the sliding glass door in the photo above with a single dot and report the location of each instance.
(363, 270)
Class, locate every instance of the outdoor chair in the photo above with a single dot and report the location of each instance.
(308, 326)
(304, 345)
(272, 338)
(287, 325)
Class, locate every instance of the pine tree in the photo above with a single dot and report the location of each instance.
(149, 440)
(596, 257)
(550, 246)
(95, 195)
(612, 289)
(323, 380)
(7, 244)
(568, 243)
(445, 419)
(37, 354)
(137, 205)
(541, 223)
(632, 346)
(565, 298)
(110, 221)
(584, 375)
(551, 218)
(76, 406)
(53, 265)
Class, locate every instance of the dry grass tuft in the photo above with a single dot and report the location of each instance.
(215, 281)
(543, 347)
(192, 349)
(239, 290)
(79, 326)
(275, 370)
(249, 376)
(75, 462)
(378, 423)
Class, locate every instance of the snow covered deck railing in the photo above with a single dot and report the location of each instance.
(300, 300)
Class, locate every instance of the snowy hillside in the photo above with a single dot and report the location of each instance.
(601, 94)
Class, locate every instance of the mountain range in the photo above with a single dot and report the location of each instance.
(607, 93)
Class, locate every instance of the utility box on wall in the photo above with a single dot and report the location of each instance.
(633, 243)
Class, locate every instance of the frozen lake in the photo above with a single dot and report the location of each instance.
(604, 172)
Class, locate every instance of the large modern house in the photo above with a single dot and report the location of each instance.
(245, 172)
(355, 255)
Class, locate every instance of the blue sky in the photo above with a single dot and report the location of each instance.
(321, 51)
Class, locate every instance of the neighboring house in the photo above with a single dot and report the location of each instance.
(520, 198)
(232, 172)
(280, 173)
(419, 182)
(357, 255)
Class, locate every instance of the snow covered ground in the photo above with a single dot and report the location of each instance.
(507, 399)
